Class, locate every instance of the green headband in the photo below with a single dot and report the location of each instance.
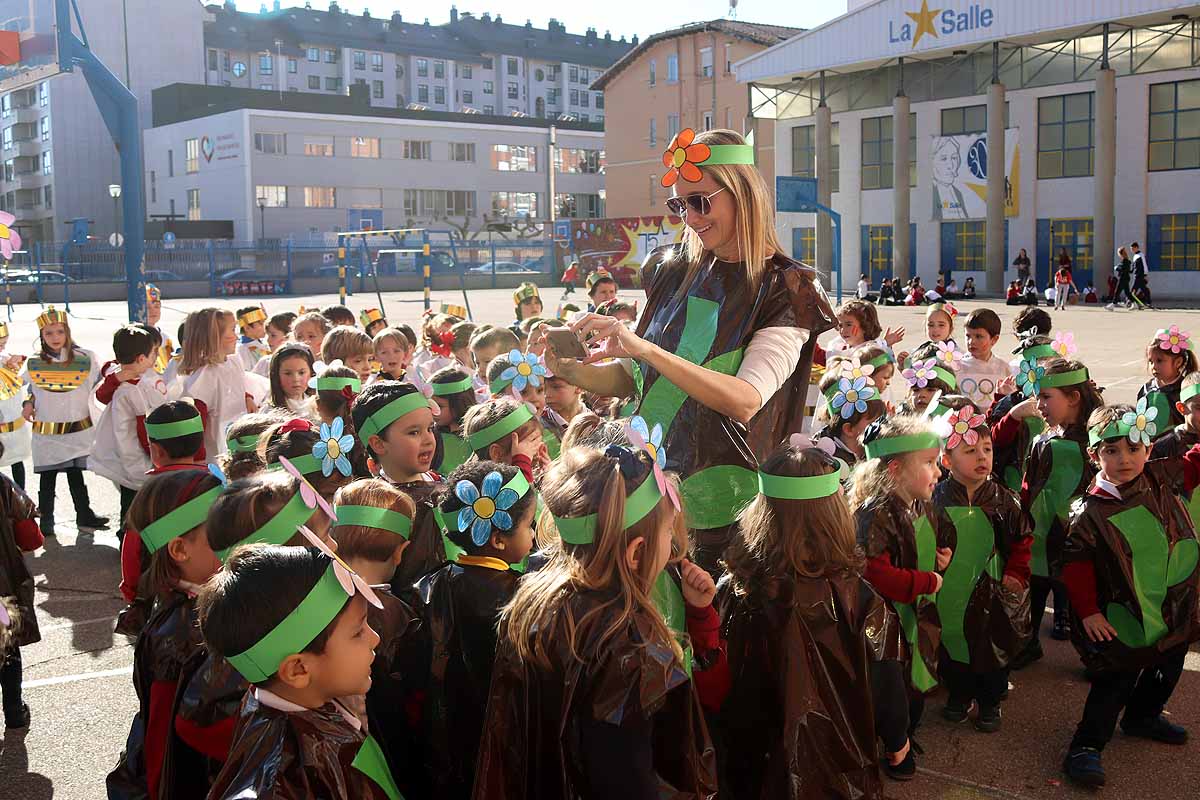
(1188, 392)
(1114, 430)
(453, 387)
(377, 422)
(882, 359)
(499, 429)
(333, 384)
(279, 528)
(785, 487)
(518, 484)
(895, 445)
(173, 430)
(1039, 351)
(371, 517)
(946, 376)
(243, 444)
(306, 464)
(179, 521)
(582, 530)
(1061, 379)
(296, 631)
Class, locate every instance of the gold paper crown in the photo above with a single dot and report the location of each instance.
(369, 316)
(454, 311)
(251, 317)
(3, 330)
(525, 292)
(51, 316)
(597, 276)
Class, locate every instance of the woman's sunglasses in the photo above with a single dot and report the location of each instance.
(700, 203)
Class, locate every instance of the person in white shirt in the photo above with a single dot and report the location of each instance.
(981, 372)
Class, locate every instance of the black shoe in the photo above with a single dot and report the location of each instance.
(906, 770)
(988, 720)
(1083, 766)
(19, 722)
(46, 525)
(953, 712)
(90, 519)
(1158, 729)
(1062, 629)
(1031, 653)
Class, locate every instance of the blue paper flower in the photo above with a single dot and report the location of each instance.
(1142, 427)
(483, 511)
(1029, 377)
(332, 448)
(524, 370)
(852, 396)
(652, 438)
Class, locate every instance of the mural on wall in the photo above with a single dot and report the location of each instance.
(959, 166)
(618, 245)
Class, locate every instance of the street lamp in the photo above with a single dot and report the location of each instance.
(114, 191)
(262, 219)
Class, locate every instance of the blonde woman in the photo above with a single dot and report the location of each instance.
(721, 355)
(214, 377)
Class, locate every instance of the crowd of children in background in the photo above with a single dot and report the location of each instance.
(364, 559)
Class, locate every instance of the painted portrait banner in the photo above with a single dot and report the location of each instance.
(959, 167)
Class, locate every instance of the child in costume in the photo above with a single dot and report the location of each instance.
(18, 617)
(15, 432)
(372, 320)
(926, 378)
(1129, 564)
(857, 325)
(336, 386)
(290, 370)
(601, 287)
(882, 362)
(304, 644)
(279, 328)
(454, 394)
(590, 694)
(488, 343)
(393, 352)
(166, 347)
(395, 424)
(247, 444)
(372, 532)
(351, 347)
(310, 329)
(939, 328)
(437, 347)
(324, 454)
(169, 515)
(506, 431)
(213, 376)
(1011, 442)
(524, 374)
(852, 404)
(488, 512)
(61, 377)
(1171, 359)
(983, 603)
(1184, 436)
(563, 398)
(806, 635)
(527, 303)
(890, 492)
(338, 315)
(981, 371)
(252, 324)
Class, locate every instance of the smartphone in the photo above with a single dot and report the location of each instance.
(566, 344)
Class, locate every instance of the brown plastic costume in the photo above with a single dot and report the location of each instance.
(983, 623)
(711, 325)
(426, 552)
(1144, 553)
(1174, 444)
(16, 582)
(799, 720)
(886, 526)
(1055, 475)
(531, 747)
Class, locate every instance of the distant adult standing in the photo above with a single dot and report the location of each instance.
(1021, 262)
(1141, 277)
(1064, 259)
(1063, 284)
(1124, 270)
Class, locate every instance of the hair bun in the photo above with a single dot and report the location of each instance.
(627, 460)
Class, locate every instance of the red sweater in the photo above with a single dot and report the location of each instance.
(131, 545)
(713, 683)
(896, 583)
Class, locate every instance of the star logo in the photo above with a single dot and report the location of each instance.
(924, 19)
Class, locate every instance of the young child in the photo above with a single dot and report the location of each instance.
(852, 404)
(372, 320)
(336, 387)
(925, 379)
(350, 346)
(291, 368)
(858, 324)
(794, 586)
(212, 376)
(310, 329)
(488, 509)
(527, 303)
(61, 377)
(165, 349)
(1129, 565)
(982, 603)
(267, 508)
(563, 398)
(284, 619)
(1184, 436)
(939, 323)
(338, 315)
(454, 394)
(487, 344)
(582, 647)
(460, 348)
(506, 431)
(882, 362)
(393, 352)
(437, 346)
(18, 534)
(246, 444)
(601, 288)
(312, 451)
(1057, 472)
(169, 514)
(279, 328)
(1171, 359)
(395, 423)
(1063, 284)
(252, 325)
(981, 372)
(626, 312)
(15, 434)
(890, 493)
(122, 449)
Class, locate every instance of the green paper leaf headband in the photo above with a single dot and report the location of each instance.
(1037, 351)
(178, 521)
(1188, 392)
(896, 445)
(371, 517)
(500, 428)
(306, 463)
(243, 444)
(639, 503)
(684, 156)
(812, 487)
(157, 431)
(279, 528)
(884, 358)
(1061, 379)
(375, 424)
(452, 387)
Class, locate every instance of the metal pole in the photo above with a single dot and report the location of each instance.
(341, 256)
(289, 266)
(426, 266)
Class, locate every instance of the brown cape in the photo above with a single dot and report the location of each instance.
(426, 551)
(1044, 470)
(16, 582)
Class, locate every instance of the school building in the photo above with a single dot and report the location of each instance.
(1093, 107)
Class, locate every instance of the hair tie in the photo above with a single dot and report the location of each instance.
(627, 461)
(349, 393)
(295, 425)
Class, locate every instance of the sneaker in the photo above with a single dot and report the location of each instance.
(1062, 629)
(1032, 652)
(20, 722)
(953, 712)
(46, 525)
(1158, 729)
(90, 519)
(988, 720)
(906, 770)
(1110, 307)
(1083, 766)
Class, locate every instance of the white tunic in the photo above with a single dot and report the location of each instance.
(62, 406)
(18, 444)
(222, 388)
(118, 454)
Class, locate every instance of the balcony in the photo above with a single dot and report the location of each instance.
(25, 148)
(27, 199)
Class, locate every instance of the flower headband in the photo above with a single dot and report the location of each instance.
(965, 424)
(851, 396)
(332, 446)
(1173, 340)
(684, 156)
(1138, 425)
(922, 373)
(635, 432)
(483, 510)
(946, 308)
(638, 503)
(524, 370)
(948, 355)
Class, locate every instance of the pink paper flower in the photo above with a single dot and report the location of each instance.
(949, 355)
(10, 240)
(1064, 344)
(1170, 339)
(964, 427)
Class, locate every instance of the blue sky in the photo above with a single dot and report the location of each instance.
(622, 17)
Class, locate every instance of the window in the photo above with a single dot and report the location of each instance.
(272, 144)
(515, 204)
(707, 120)
(728, 58)
(468, 72)
(804, 244)
(266, 64)
(422, 67)
(225, 60)
(438, 203)
(153, 186)
(418, 150)
(583, 117)
(706, 62)
(653, 67)
(1066, 136)
(360, 81)
(43, 94)
(512, 93)
(439, 95)
(488, 87)
(422, 93)
(574, 97)
(804, 151)
(514, 158)
(49, 195)
(377, 90)
(489, 109)
(320, 197)
(8, 138)
(599, 100)
(364, 147)
(333, 84)
(293, 66)
(439, 69)
(462, 151)
(553, 73)
(193, 201)
(362, 198)
(1174, 239)
(553, 96)
(968, 119)
(6, 105)
(267, 87)
(579, 206)
(331, 56)
(376, 62)
(672, 69)
(653, 132)
(170, 160)
(1175, 125)
(212, 61)
(275, 196)
(314, 82)
(45, 129)
(46, 169)
(969, 246)
(360, 59)
(468, 97)
(487, 64)
(584, 75)
(320, 146)
(192, 149)
(583, 98)
(314, 54)
(877, 153)
(573, 160)
(672, 126)
(572, 74)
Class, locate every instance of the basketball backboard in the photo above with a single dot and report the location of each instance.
(28, 43)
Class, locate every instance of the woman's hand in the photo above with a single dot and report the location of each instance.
(697, 585)
(617, 340)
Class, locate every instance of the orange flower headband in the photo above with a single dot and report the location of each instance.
(683, 157)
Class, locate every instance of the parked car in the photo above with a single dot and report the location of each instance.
(243, 274)
(501, 266)
(45, 276)
(162, 275)
(394, 263)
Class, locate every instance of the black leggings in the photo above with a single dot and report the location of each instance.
(1039, 590)
(1123, 288)
(897, 711)
(79, 492)
(18, 473)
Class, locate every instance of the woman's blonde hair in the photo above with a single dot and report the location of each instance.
(793, 538)
(360, 541)
(585, 481)
(756, 237)
(202, 339)
(871, 478)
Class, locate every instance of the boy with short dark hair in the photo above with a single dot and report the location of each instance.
(601, 287)
(980, 373)
(253, 323)
(338, 315)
